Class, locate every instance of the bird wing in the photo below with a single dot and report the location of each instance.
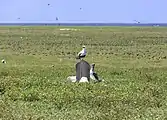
(81, 52)
(92, 77)
(96, 76)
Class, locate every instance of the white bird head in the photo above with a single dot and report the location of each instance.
(93, 64)
(83, 46)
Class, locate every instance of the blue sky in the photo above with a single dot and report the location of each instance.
(124, 11)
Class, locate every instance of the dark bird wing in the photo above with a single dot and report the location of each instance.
(96, 76)
(79, 54)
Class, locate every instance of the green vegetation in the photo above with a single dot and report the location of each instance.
(132, 60)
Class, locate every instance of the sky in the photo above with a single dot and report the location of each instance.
(113, 11)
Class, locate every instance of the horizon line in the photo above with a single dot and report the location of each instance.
(77, 23)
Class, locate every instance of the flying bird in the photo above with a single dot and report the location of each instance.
(82, 53)
(93, 74)
(137, 21)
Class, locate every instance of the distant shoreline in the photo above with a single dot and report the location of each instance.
(84, 24)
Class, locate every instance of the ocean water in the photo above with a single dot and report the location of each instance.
(83, 24)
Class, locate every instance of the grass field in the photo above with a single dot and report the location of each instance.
(132, 60)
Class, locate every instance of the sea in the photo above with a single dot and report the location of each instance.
(84, 24)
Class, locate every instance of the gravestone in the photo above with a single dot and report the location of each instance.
(82, 70)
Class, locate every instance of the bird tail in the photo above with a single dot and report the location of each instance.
(101, 80)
